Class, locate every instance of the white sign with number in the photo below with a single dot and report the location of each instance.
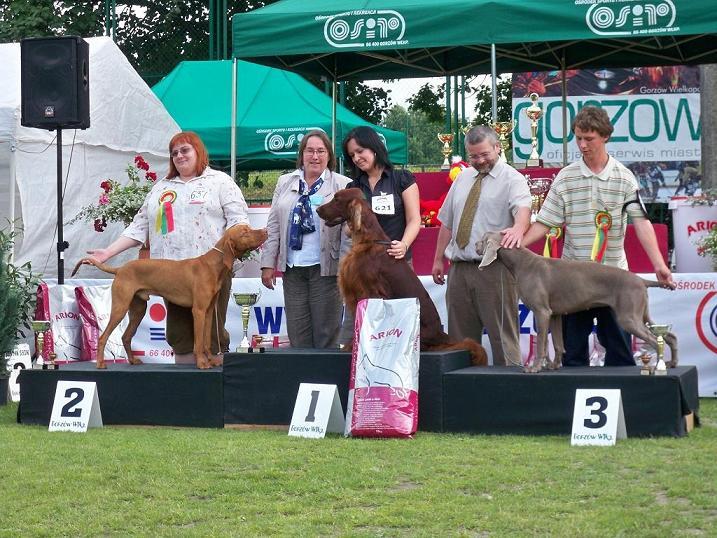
(76, 407)
(317, 411)
(16, 361)
(598, 417)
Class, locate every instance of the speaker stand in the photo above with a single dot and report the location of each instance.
(61, 243)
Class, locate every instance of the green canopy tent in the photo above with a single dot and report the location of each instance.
(369, 39)
(275, 109)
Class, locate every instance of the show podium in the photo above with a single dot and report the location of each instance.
(260, 389)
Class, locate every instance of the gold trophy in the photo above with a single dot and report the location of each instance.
(40, 327)
(539, 188)
(503, 129)
(660, 331)
(246, 300)
(534, 113)
(447, 140)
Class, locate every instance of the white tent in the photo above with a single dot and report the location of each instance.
(126, 119)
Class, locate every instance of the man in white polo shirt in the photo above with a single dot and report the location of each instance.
(592, 198)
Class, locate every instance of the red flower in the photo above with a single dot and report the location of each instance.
(141, 163)
(100, 225)
(106, 185)
(151, 176)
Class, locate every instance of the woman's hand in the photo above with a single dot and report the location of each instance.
(397, 249)
(267, 277)
(100, 255)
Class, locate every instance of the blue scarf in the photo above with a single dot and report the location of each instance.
(302, 218)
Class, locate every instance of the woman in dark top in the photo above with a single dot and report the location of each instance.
(392, 193)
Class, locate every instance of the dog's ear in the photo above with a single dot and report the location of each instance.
(354, 211)
(489, 246)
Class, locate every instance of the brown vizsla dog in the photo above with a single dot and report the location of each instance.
(194, 283)
(368, 271)
(552, 287)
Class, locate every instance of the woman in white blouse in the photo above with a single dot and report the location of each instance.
(183, 216)
(303, 248)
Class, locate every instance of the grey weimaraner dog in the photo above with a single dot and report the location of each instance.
(552, 287)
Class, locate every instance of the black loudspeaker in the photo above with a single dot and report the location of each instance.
(55, 82)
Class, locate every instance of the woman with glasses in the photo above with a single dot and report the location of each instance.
(391, 192)
(303, 248)
(183, 216)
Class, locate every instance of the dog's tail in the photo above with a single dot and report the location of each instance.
(91, 261)
(478, 355)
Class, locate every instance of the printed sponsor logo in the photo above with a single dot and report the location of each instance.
(285, 140)
(365, 28)
(631, 17)
(706, 321)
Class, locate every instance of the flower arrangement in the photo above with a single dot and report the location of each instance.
(120, 203)
(707, 246)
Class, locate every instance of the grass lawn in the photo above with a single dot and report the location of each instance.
(121, 481)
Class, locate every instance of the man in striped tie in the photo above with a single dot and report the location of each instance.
(488, 196)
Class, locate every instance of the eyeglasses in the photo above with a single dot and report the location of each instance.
(184, 150)
(317, 152)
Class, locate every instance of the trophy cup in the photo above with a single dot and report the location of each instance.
(534, 113)
(660, 331)
(246, 300)
(539, 188)
(447, 140)
(503, 129)
(39, 327)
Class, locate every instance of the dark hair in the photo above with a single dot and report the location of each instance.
(369, 139)
(480, 133)
(327, 144)
(592, 118)
(193, 140)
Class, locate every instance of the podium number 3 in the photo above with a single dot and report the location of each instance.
(312, 406)
(600, 418)
(67, 409)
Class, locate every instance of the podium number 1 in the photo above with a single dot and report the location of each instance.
(67, 409)
(312, 406)
(599, 413)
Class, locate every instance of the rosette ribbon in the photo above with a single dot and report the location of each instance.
(164, 222)
(603, 223)
(550, 250)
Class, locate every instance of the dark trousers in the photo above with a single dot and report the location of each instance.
(576, 329)
(313, 307)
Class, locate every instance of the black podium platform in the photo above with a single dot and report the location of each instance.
(502, 400)
(260, 389)
(146, 394)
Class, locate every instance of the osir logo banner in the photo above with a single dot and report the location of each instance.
(365, 28)
(630, 17)
(284, 140)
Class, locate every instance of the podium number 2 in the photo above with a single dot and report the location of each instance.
(67, 409)
(599, 413)
(312, 406)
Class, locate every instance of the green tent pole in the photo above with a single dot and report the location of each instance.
(564, 90)
(456, 126)
(333, 112)
(463, 111)
(225, 30)
(233, 121)
(493, 84)
(211, 30)
(448, 104)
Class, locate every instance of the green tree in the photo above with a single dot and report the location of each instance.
(423, 146)
(370, 103)
(484, 104)
(428, 101)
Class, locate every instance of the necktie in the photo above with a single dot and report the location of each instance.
(469, 212)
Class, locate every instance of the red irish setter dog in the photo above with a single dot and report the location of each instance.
(368, 271)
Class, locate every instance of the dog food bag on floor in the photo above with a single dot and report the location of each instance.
(383, 387)
(57, 304)
(94, 304)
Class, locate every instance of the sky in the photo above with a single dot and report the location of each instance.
(403, 89)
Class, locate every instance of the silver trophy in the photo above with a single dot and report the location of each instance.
(246, 300)
(660, 331)
(40, 327)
